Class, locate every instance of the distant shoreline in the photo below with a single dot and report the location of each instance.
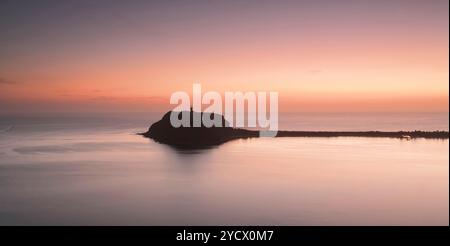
(396, 134)
(190, 142)
(378, 134)
(163, 131)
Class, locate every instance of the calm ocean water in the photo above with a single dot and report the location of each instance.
(94, 170)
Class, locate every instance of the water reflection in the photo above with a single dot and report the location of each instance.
(113, 177)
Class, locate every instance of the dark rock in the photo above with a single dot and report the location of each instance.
(195, 137)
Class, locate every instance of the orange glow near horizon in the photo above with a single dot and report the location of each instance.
(343, 60)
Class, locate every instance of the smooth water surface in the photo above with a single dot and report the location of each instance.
(94, 170)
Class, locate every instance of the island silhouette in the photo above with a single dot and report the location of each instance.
(162, 131)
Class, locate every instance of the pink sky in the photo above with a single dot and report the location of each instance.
(319, 55)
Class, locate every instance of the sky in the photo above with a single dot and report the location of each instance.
(321, 56)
